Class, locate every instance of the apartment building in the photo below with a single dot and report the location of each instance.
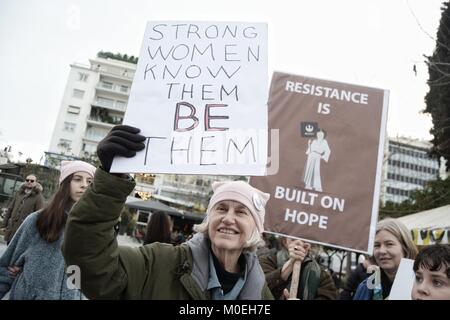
(94, 100)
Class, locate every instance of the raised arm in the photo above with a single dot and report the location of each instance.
(90, 243)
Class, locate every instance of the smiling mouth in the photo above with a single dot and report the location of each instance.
(227, 231)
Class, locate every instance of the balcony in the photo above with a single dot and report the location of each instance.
(104, 121)
(125, 74)
(93, 121)
(117, 75)
(114, 88)
(119, 70)
(112, 105)
(91, 138)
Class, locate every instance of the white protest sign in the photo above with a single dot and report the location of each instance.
(199, 95)
(404, 281)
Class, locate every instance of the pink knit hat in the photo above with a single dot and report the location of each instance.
(69, 167)
(242, 192)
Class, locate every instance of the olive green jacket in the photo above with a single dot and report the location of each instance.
(155, 271)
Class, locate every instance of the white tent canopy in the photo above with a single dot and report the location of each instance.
(429, 219)
(430, 226)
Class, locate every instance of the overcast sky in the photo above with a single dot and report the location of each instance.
(371, 43)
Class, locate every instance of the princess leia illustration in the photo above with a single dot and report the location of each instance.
(317, 149)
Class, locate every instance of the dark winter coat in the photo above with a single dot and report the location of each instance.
(22, 205)
(354, 279)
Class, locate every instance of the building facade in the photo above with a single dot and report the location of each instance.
(407, 167)
(95, 99)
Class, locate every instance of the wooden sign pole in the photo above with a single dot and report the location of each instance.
(295, 280)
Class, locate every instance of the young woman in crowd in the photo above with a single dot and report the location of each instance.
(33, 267)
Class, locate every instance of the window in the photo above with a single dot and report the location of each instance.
(69, 126)
(73, 109)
(82, 76)
(123, 88)
(78, 93)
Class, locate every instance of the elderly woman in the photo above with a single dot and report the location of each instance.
(393, 242)
(218, 263)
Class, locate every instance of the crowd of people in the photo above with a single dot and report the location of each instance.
(224, 260)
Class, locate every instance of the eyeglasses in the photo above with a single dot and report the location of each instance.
(29, 180)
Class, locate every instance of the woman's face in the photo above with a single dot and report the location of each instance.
(78, 185)
(388, 251)
(231, 226)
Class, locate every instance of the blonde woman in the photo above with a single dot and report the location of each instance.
(393, 242)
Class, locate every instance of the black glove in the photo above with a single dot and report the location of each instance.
(123, 141)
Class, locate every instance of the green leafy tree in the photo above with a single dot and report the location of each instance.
(436, 194)
(438, 98)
